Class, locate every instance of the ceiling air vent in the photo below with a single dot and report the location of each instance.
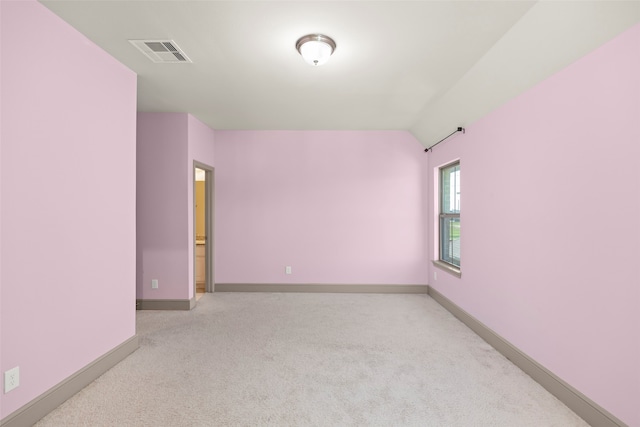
(165, 51)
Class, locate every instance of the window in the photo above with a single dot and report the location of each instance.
(450, 214)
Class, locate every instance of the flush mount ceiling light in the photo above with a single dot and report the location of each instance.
(315, 48)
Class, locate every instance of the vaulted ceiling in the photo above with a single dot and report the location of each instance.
(422, 66)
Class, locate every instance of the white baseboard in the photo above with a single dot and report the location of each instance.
(35, 410)
(320, 288)
(165, 304)
(586, 408)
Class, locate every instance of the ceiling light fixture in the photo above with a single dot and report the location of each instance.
(315, 48)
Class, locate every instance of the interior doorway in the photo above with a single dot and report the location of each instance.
(203, 229)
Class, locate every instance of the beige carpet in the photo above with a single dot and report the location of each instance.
(274, 359)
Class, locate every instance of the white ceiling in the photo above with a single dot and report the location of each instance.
(423, 66)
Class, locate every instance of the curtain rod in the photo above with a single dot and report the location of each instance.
(460, 129)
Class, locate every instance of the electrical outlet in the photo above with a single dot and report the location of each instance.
(154, 283)
(11, 379)
(435, 275)
(287, 269)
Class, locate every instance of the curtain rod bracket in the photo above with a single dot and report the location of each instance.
(459, 129)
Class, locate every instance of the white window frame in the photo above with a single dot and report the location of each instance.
(444, 262)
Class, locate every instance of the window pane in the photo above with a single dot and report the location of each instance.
(451, 189)
(450, 240)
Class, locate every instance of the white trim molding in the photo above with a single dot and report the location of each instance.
(321, 288)
(166, 304)
(447, 267)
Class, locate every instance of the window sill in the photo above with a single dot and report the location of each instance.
(448, 268)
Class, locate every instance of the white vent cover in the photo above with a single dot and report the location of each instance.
(165, 51)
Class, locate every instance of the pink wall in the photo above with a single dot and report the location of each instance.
(550, 208)
(68, 201)
(162, 234)
(167, 145)
(339, 207)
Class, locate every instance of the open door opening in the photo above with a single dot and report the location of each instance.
(203, 229)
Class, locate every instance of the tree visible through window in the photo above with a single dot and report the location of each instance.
(450, 214)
